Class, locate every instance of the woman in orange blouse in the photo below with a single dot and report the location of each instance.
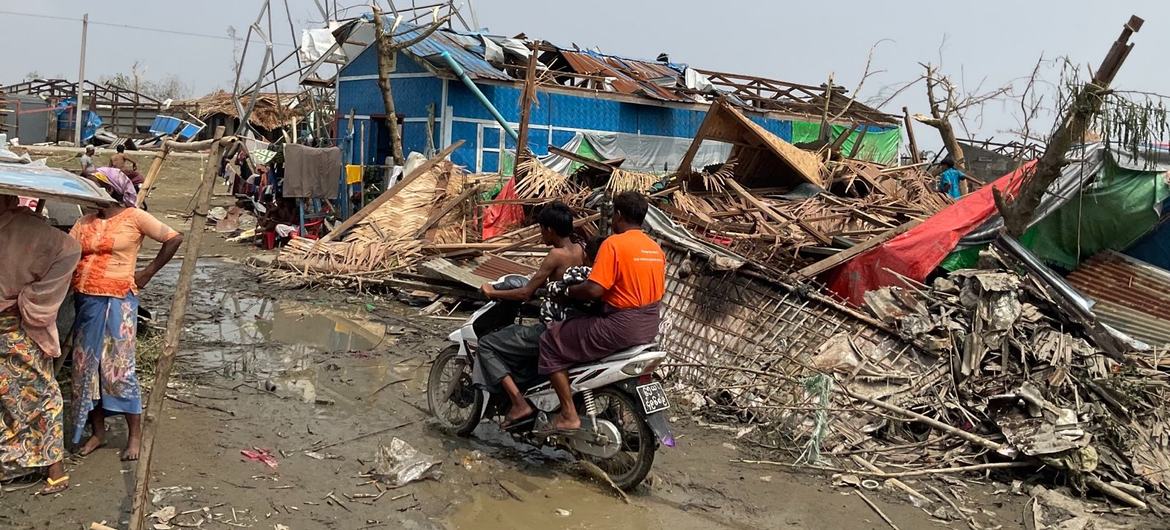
(106, 283)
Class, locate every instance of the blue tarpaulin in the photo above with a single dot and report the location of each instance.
(66, 115)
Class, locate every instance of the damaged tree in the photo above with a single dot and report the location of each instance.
(947, 104)
(1085, 103)
(388, 49)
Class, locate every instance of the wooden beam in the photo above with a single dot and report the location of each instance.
(526, 97)
(851, 252)
(775, 215)
(390, 193)
(915, 156)
(154, 404)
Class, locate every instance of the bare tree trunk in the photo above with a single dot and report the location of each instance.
(1018, 213)
(387, 64)
(940, 119)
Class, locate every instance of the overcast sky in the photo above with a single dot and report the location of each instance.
(990, 42)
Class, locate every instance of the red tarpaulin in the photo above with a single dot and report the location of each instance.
(498, 219)
(916, 253)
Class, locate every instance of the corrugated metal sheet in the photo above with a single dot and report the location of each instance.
(626, 79)
(436, 43)
(50, 183)
(1131, 295)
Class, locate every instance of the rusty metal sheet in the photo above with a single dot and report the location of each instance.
(625, 79)
(492, 267)
(1131, 295)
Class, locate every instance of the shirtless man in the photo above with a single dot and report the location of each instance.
(119, 159)
(515, 347)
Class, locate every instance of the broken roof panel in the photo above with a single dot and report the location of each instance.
(660, 81)
(461, 47)
(1130, 295)
(790, 165)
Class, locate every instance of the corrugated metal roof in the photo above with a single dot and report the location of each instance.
(43, 182)
(626, 79)
(1131, 295)
(436, 43)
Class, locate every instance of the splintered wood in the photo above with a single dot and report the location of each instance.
(385, 241)
(788, 229)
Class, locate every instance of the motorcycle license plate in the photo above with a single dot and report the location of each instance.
(653, 398)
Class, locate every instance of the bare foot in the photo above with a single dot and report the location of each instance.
(94, 443)
(130, 453)
(516, 414)
(566, 424)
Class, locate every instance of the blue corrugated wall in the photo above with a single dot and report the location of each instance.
(563, 113)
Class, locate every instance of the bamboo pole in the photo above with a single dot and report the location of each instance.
(166, 362)
(152, 175)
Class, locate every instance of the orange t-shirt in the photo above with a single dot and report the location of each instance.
(109, 250)
(631, 268)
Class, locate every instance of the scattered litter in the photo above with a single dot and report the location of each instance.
(561, 512)
(399, 464)
(263, 456)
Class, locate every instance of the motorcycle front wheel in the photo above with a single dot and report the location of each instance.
(451, 395)
(630, 465)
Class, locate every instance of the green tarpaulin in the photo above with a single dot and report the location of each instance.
(881, 147)
(1111, 213)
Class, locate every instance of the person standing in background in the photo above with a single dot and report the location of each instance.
(949, 181)
(104, 333)
(87, 164)
(39, 261)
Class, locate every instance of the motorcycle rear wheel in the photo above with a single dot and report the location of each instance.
(451, 395)
(632, 463)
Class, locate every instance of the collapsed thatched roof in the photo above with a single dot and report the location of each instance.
(272, 111)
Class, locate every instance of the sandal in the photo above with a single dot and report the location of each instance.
(55, 486)
(508, 424)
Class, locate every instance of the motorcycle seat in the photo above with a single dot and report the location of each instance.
(626, 354)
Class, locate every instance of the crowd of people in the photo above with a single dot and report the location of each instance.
(96, 262)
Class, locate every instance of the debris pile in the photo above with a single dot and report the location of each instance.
(1001, 377)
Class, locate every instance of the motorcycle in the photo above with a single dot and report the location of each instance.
(620, 400)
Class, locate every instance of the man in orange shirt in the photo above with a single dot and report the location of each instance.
(629, 276)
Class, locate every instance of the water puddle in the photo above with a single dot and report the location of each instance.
(246, 320)
(547, 503)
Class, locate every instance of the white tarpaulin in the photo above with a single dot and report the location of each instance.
(315, 43)
(651, 154)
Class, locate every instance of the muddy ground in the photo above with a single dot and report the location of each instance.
(308, 375)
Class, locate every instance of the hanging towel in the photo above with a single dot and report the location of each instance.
(311, 172)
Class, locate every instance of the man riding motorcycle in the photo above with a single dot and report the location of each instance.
(629, 276)
(514, 348)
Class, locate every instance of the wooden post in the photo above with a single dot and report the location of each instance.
(526, 108)
(158, 393)
(79, 111)
(915, 156)
(152, 175)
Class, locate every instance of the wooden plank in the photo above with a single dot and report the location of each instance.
(441, 212)
(775, 215)
(851, 252)
(390, 193)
